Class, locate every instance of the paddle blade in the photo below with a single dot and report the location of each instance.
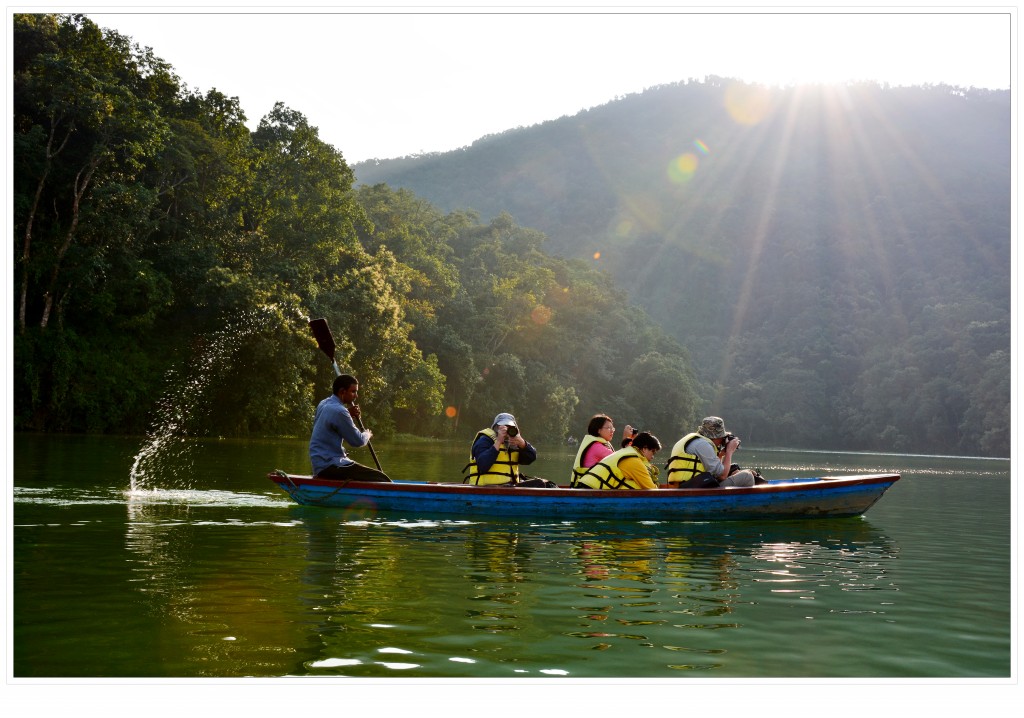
(323, 336)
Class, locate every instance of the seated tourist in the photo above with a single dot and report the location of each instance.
(596, 445)
(497, 454)
(628, 468)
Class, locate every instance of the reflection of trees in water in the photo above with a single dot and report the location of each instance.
(673, 587)
(339, 594)
(215, 615)
(498, 561)
(390, 592)
(616, 572)
(158, 536)
(688, 580)
(351, 575)
(632, 584)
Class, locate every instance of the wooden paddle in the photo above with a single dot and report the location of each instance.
(325, 340)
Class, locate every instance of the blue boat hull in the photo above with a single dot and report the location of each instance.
(783, 499)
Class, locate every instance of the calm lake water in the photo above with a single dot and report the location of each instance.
(209, 570)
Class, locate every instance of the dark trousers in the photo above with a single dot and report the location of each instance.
(352, 472)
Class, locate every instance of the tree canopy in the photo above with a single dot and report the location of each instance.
(156, 236)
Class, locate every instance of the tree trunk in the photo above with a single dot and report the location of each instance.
(81, 186)
(30, 220)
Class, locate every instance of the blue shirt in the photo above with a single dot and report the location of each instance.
(333, 425)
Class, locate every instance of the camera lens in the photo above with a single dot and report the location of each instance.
(513, 431)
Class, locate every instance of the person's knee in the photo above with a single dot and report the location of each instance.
(744, 477)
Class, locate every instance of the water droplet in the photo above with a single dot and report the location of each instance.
(164, 458)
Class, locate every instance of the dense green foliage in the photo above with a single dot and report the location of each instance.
(836, 260)
(159, 243)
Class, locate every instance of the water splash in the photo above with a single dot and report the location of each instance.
(165, 457)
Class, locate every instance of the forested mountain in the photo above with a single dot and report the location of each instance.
(835, 259)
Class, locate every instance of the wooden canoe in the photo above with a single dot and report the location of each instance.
(796, 498)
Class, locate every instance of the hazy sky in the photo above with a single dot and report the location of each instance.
(386, 84)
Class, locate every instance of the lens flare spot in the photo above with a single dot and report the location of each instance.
(558, 297)
(540, 315)
(360, 510)
(747, 104)
(683, 167)
(701, 147)
(597, 255)
(451, 412)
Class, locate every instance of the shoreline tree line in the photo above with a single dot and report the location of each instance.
(149, 219)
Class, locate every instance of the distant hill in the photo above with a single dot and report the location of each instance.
(836, 259)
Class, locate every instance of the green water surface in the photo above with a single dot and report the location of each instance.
(208, 570)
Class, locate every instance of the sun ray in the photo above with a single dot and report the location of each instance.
(765, 217)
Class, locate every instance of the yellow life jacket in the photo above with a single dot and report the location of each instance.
(607, 474)
(504, 469)
(682, 465)
(577, 468)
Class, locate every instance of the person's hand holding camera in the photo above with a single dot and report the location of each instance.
(514, 439)
(509, 434)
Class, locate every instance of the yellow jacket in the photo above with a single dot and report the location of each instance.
(624, 469)
(505, 468)
(577, 468)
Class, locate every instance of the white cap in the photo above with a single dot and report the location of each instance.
(505, 420)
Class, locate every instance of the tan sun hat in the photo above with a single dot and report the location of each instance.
(712, 427)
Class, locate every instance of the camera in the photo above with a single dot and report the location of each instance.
(513, 431)
(729, 437)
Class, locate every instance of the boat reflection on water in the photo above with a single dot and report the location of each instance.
(675, 585)
(449, 593)
(337, 592)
